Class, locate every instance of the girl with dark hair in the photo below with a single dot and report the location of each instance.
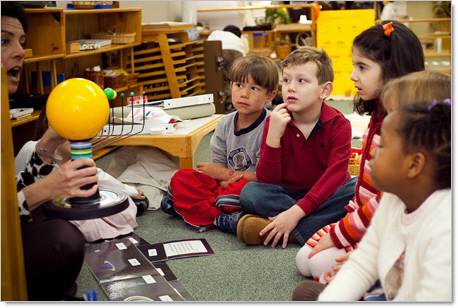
(380, 53)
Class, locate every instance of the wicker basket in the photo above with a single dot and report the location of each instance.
(116, 38)
(282, 51)
(264, 52)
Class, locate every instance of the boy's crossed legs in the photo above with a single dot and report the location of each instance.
(268, 200)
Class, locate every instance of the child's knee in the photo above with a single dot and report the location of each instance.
(246, 195)
(324, 260)
(302, 260)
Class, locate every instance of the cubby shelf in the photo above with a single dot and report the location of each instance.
(49, 31)
(170, 65)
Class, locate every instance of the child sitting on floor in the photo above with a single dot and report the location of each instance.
(412, 166)
(303, 182)
(209, 197)
(422, 85)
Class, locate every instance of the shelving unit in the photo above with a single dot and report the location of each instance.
(51, 29)
(169, 69)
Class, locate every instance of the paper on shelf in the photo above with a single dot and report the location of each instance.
(151, 115)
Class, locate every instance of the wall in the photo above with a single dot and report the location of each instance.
(218, 20)
(156, 11)
(420, 10)
(152, 11)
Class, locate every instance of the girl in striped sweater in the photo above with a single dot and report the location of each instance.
(380, 53)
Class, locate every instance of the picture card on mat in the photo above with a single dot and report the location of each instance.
(176, 249)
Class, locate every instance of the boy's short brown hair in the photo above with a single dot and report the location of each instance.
(264, 71)
(306, 54)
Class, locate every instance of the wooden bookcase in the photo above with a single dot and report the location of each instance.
(169, 64)
(51, 29)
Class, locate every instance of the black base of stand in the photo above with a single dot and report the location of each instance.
(110, 203)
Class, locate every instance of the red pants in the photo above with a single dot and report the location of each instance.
(199, 198)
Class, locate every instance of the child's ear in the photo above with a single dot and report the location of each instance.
(415, 164)
(271, 96)
(327, 90)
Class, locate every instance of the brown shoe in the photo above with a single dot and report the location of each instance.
(248, 229)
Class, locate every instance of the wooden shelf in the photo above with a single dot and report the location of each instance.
(432, 37)
(33, 117)
(245, 8)
(164, 28)
(100, 11)
(432, 53)
(169, 70)
(39, 58)
(104, 49)
(419, 20)
(48, 33)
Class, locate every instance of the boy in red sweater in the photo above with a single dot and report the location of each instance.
(303, 183)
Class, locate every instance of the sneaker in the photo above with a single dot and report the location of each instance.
(249, 227)
(142, 205)
(167, 207)
(227, 222)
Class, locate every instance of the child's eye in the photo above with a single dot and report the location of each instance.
(285, 79)
(255, 88)
(238, 85)
(302, 80)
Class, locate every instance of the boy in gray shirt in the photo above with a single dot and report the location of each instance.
(209, 196)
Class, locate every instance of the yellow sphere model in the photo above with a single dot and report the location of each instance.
(77, 109)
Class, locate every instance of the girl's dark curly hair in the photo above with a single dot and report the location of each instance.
(426, 127)
(398, 54)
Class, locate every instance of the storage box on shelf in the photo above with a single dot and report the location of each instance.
(168, 63)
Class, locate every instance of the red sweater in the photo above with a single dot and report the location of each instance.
(318, 164)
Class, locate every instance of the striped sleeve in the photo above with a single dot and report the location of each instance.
(350, 229)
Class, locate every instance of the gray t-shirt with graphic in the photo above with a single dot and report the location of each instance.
(238, 150)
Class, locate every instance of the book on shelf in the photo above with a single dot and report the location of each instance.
(87, 44)
(20, 113)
